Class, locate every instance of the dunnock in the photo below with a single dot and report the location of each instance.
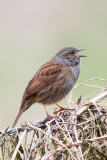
(53, 81)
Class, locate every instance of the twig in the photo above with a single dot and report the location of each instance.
(101, 79)
(18, 145)
(89, 140)
(51, 153)
(63, 145)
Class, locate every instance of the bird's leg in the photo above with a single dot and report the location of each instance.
(61, 108)
(48, 115)
(46, 110)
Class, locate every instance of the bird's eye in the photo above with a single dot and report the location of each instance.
(72, 52)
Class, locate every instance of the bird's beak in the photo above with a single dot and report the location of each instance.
(80, 50)
(81, 55)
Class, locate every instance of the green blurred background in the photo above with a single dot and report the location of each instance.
(31, 32)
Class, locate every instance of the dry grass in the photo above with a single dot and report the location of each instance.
(73, 134)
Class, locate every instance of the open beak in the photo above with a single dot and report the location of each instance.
(81, 55)
(80, 50)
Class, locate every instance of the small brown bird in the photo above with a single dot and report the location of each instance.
(53, 81)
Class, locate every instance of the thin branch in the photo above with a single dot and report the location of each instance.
(51, 153)
(89, 140)
(18, 145)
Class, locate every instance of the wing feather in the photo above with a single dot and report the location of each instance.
(46, 75)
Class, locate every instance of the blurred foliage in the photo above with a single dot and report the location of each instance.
(31, 32)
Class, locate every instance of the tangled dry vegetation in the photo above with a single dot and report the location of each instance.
(73, 134)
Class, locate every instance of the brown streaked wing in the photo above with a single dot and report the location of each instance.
(45, 76)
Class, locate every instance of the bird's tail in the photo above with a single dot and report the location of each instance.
(18, 116)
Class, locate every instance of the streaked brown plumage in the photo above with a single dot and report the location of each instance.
(53, 81)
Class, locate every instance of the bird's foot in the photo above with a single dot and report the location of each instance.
(61, 109)
(49, 117)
